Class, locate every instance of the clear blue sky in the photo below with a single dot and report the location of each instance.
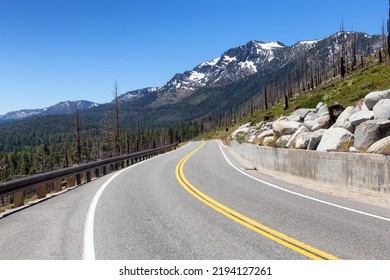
(57, 50)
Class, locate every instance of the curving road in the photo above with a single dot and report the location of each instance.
(197, 202)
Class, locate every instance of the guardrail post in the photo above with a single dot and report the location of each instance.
(18, 198)
(57, 185)
(41, 191)
(97, 172)
(122, 164)
(78, 179)
(72, 181)
(88, 176)
(104, 170)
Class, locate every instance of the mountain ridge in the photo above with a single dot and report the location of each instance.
(242, 72)
(61, 108)
(238, 74)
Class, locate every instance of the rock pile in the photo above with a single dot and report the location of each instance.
(364, 128)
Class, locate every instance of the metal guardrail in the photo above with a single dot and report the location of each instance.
(71, 176)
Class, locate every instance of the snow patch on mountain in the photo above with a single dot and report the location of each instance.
(65, 107)
(228, 59)
(250, 65)
(135, 94)
(196, 76)
(309, 42)
(269, 46)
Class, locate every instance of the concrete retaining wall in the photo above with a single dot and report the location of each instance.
(365, 171)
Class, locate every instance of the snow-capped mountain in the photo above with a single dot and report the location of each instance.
(233, 65)
(66, 107)
(134, 95)
(225, 82)
(256, 59)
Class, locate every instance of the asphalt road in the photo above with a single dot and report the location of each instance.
(196, 207)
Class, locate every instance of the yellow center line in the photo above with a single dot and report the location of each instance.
(270, 233)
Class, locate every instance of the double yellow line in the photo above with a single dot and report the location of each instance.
(272, 234)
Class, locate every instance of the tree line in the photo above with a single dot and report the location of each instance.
(37, 146)
(33, 146)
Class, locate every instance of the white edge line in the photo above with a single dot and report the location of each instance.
(88, 239)
(301, 195)
(88, 244)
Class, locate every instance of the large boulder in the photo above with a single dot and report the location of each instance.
(251, 136)
(243, 129)
(361, 117)
(372, 98)
(364, 106)
(260, 138)
(265, 127)
(370, 132)
(309, 140)
(282, 141)
(285, 127)
(321, 123)
(302, 140)
(269, 141)
(301, 113)
(381, 147)
(336, 139)
(322, 110)
(294, 118)
(291, 142)
(343, 120)
(311, 116)
(315, 139)
(382, 110)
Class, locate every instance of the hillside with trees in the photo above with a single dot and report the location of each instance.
(297, 78)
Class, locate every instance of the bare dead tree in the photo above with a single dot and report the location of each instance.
(265, 98)
(342, 67)
(285, 102)
(353, 46)
(117, 126)
(383, 37)
(343, 50)
(289, 84)
(107, 136)
(388, 34)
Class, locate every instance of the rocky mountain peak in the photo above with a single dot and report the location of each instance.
(61, 108)
(256, 58)
(242, 72)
